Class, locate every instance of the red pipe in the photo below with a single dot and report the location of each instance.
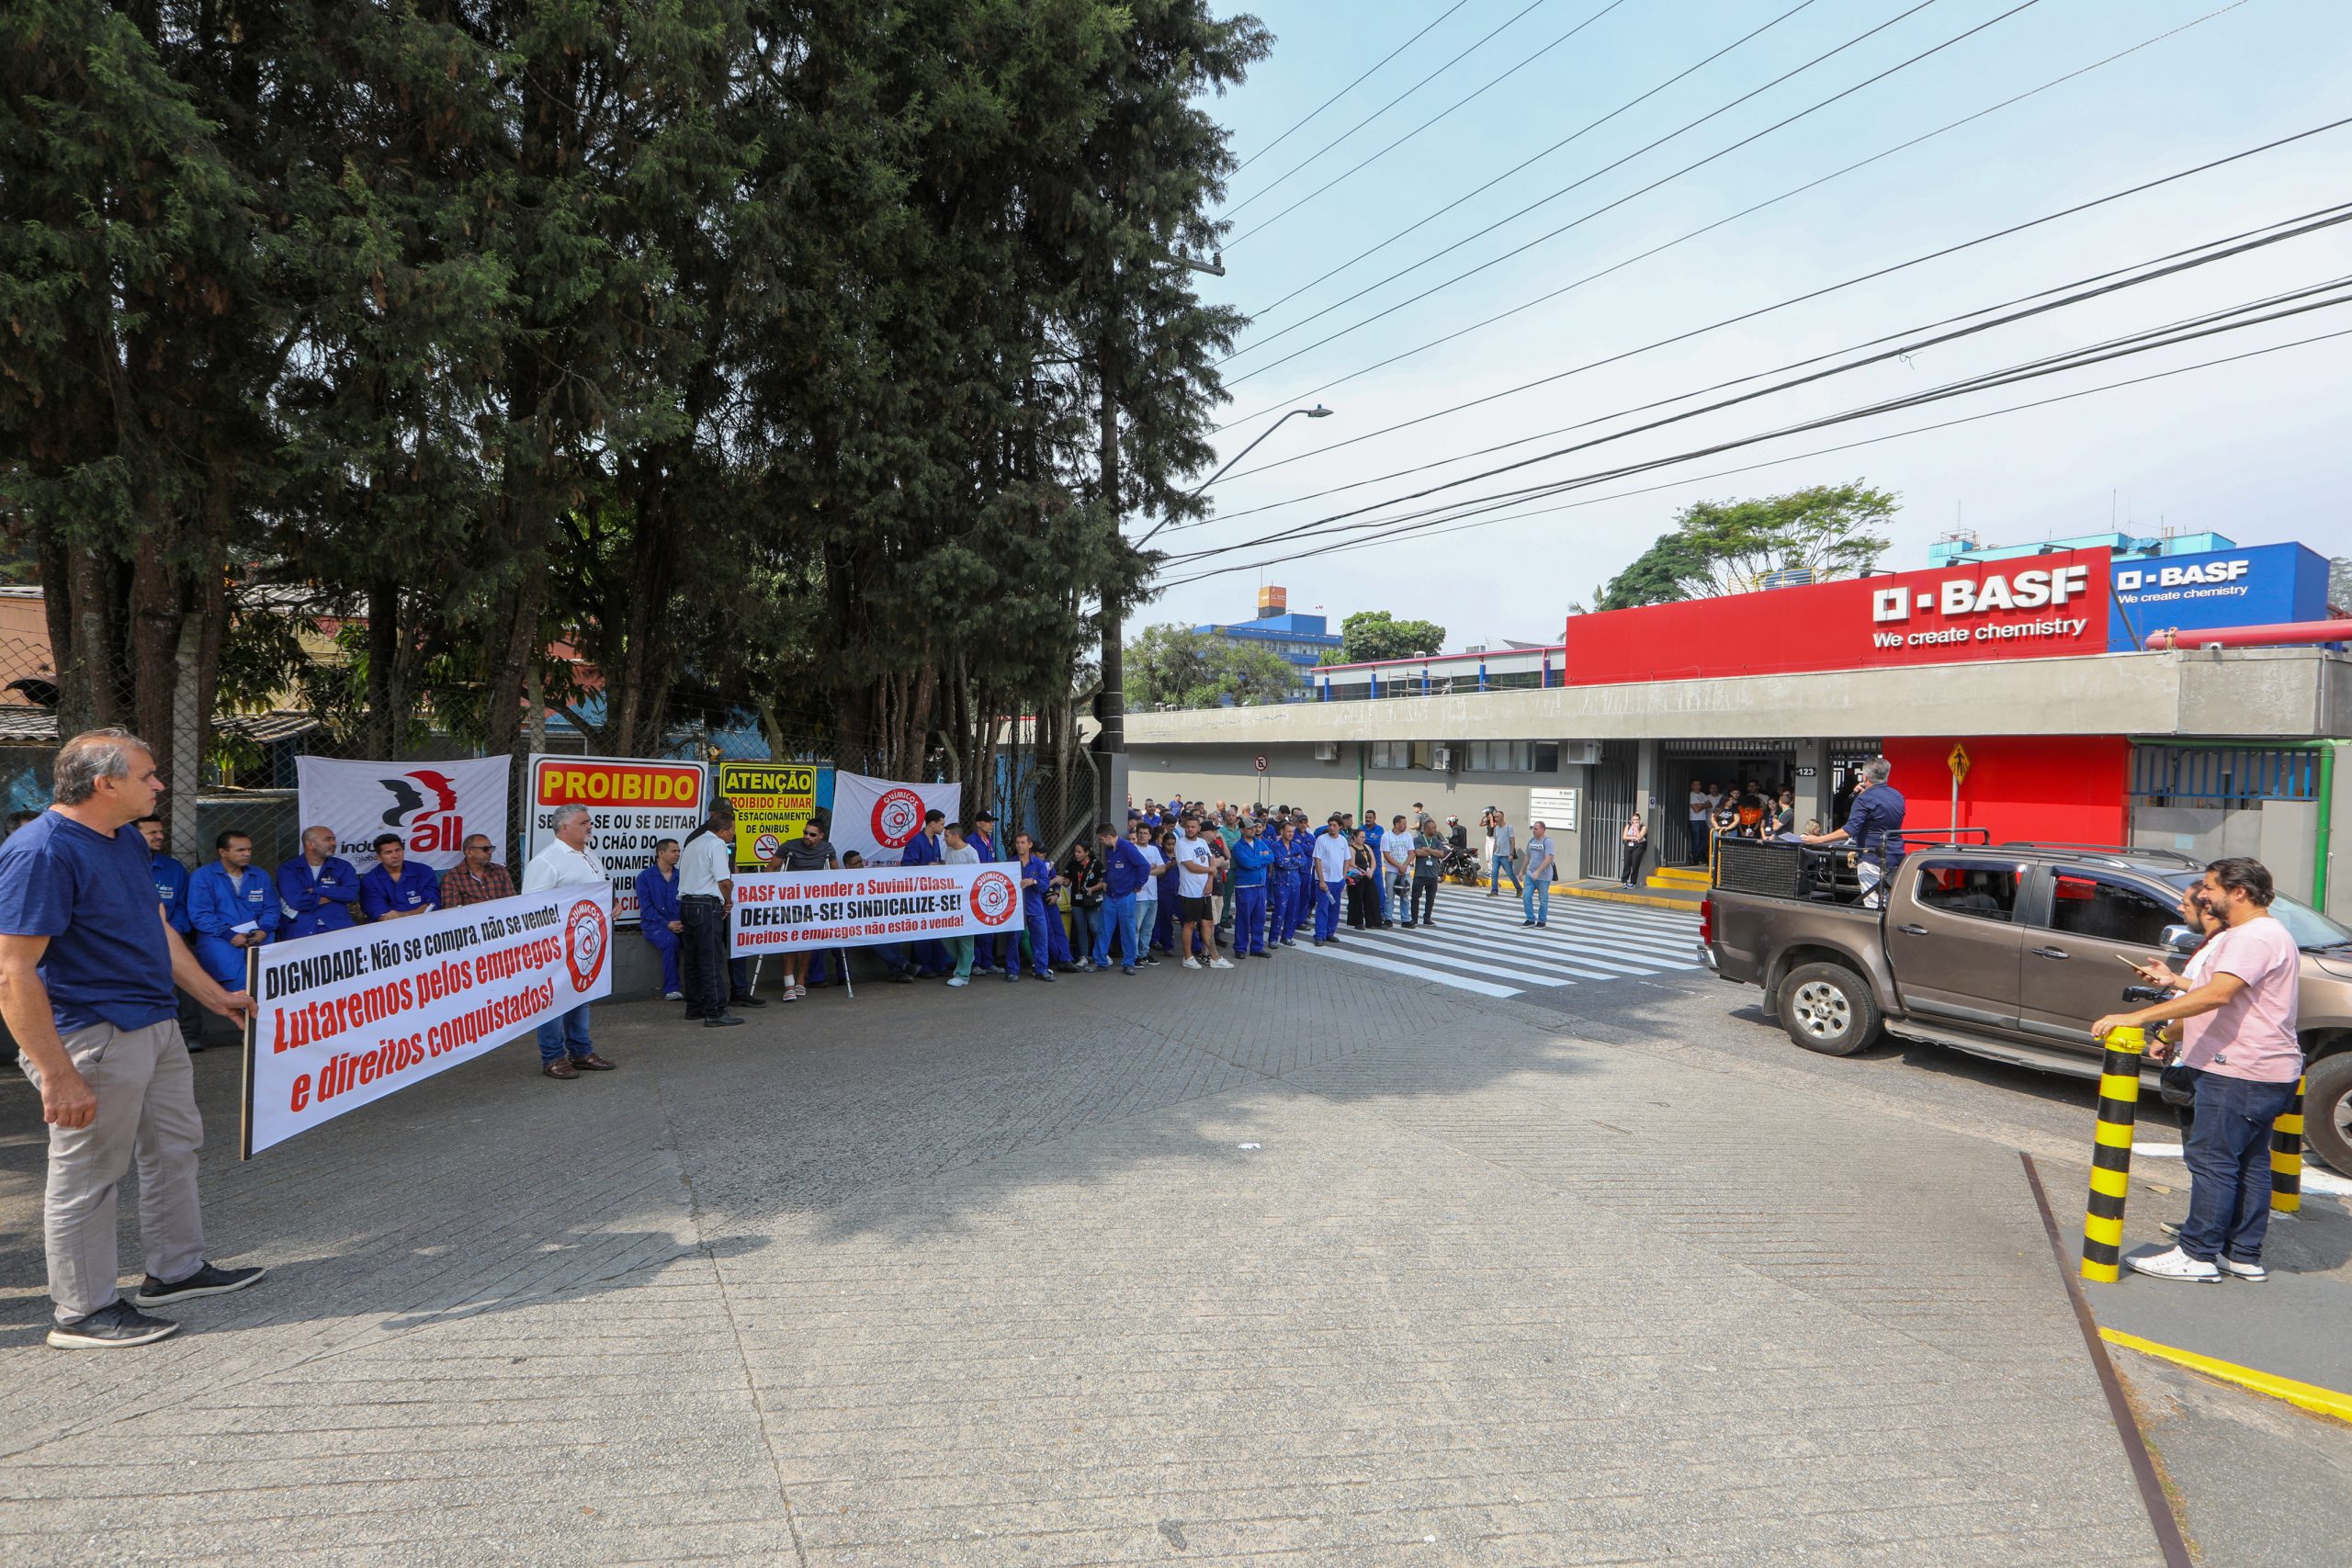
(2250, 637)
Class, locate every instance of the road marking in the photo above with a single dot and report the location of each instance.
(1419, 972)
(2327, 1183)
(2309, 1396)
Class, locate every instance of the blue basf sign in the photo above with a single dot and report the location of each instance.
(2261, 585)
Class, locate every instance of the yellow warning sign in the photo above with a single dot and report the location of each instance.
(1958, 761)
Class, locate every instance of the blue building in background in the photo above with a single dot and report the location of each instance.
(2185, 582)
(1302, 640)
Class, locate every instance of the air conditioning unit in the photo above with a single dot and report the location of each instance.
(1327, 750)
(1442, 759)
(1584, 753)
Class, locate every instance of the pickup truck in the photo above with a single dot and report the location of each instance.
(2006, 950)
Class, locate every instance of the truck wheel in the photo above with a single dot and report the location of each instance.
(1828, 1007)
(2327, 1111)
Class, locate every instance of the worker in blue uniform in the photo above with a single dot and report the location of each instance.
(659, 918)
(397, 888)
(315, 889)
(171, 892)
(232, 907)
(1283, 881)
(1037, 878)
(1252, 859)
(989, 951)
(931, 954)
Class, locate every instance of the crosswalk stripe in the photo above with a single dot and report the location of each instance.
(1525, 974)
(1567, 960)
(1650, 954)
(1620, 917)
(1418, 971)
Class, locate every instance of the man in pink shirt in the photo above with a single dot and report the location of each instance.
(2247, 1058)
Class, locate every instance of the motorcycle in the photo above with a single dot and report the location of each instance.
(1461, 866)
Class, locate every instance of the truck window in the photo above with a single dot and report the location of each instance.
(2111, 911)
(1982, 892)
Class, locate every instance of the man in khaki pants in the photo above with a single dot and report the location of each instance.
(87, 961)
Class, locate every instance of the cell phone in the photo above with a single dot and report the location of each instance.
(2135, 962)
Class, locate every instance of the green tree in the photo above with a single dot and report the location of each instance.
(1718, 548)
(1375, 634)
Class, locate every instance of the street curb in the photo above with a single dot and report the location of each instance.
(2309, 1396)
(1654, 902)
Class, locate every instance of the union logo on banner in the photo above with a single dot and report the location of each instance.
(586, 937)
(994, 899)
(433, 807)
(898, 818)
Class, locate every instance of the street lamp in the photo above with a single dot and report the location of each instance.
(1111, 700)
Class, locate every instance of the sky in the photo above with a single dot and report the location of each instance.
(2260, 449)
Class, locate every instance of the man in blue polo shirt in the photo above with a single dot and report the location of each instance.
(1874, 827)
(395, 890)
(88, 962)
(316, 889)
(1125, 871)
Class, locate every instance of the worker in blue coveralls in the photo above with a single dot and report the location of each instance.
(233, 908)
(989, 951)
(659, 919)
(1036, 877)
(315, 889)
(1252, 858)
(931, 954)
(1282, 883)
(395, 890)
(1302, 892)
(171, 892)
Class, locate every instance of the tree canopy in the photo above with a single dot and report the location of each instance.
(754, 353)
(1369, 634)
(1179, 667)
(1717, 548)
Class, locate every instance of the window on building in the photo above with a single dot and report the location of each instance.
(2110, 911)
(1391, 754)
(1424, 754)
(1506, 757)
(1547, 756)
(1985, 893)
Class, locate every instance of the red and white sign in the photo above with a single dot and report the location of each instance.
(352, 1016)
(633, 805)
(779, 911)
(431, 806)
(2028, 607)
(879, 817)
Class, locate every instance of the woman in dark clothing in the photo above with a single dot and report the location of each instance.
(1084, 874)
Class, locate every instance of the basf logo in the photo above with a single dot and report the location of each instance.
(2260, 585)
(2030, 607)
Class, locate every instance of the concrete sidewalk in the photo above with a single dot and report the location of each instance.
(1286, 1264)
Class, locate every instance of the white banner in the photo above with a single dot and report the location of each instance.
(352, 1016)
(431, 806)
(878, 817)
(777, 911)
(632, 805)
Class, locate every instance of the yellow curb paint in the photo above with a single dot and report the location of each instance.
(1603, 895)
(2308, 1396)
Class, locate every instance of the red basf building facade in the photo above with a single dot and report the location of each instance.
(2070, 787)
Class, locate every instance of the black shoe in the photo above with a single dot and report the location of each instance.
(1527, 923)
(724, 1021)
(1151, 963)
(901, 977)
(206, 1281)
(1048, 974)
(115, 1327)
(746, 1002)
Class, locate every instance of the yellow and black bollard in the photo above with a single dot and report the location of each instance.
(2119, 1100)
(2287, 1159)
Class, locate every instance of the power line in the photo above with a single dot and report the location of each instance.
(1453, 527)
(1587, 179)
(1350, 87)
(1875, 273)
(1743, 212)
(1536, 158)
(2336, 216)
(1375, 114)
(1367, 162)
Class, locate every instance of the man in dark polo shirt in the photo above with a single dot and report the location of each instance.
(87, 961)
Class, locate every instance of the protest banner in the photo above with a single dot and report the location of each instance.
(773, 802)
(878, 817)
(352, 1016)
(431, 806)
(781, 911)
(634, 804)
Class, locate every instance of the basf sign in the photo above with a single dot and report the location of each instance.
(2029, 607)
(2263, 585)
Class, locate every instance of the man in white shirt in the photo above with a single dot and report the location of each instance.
(706, 894)
(1396, 872)
(1702, 806)
(1332, 856)
(564, 1048)
(1502, 854)
(1195, 865)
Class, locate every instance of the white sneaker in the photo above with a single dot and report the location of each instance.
(1191, 962)
(959, 980)
(2252, 1273)
(1220, 964)
(673, 995)
(2175, 1265)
